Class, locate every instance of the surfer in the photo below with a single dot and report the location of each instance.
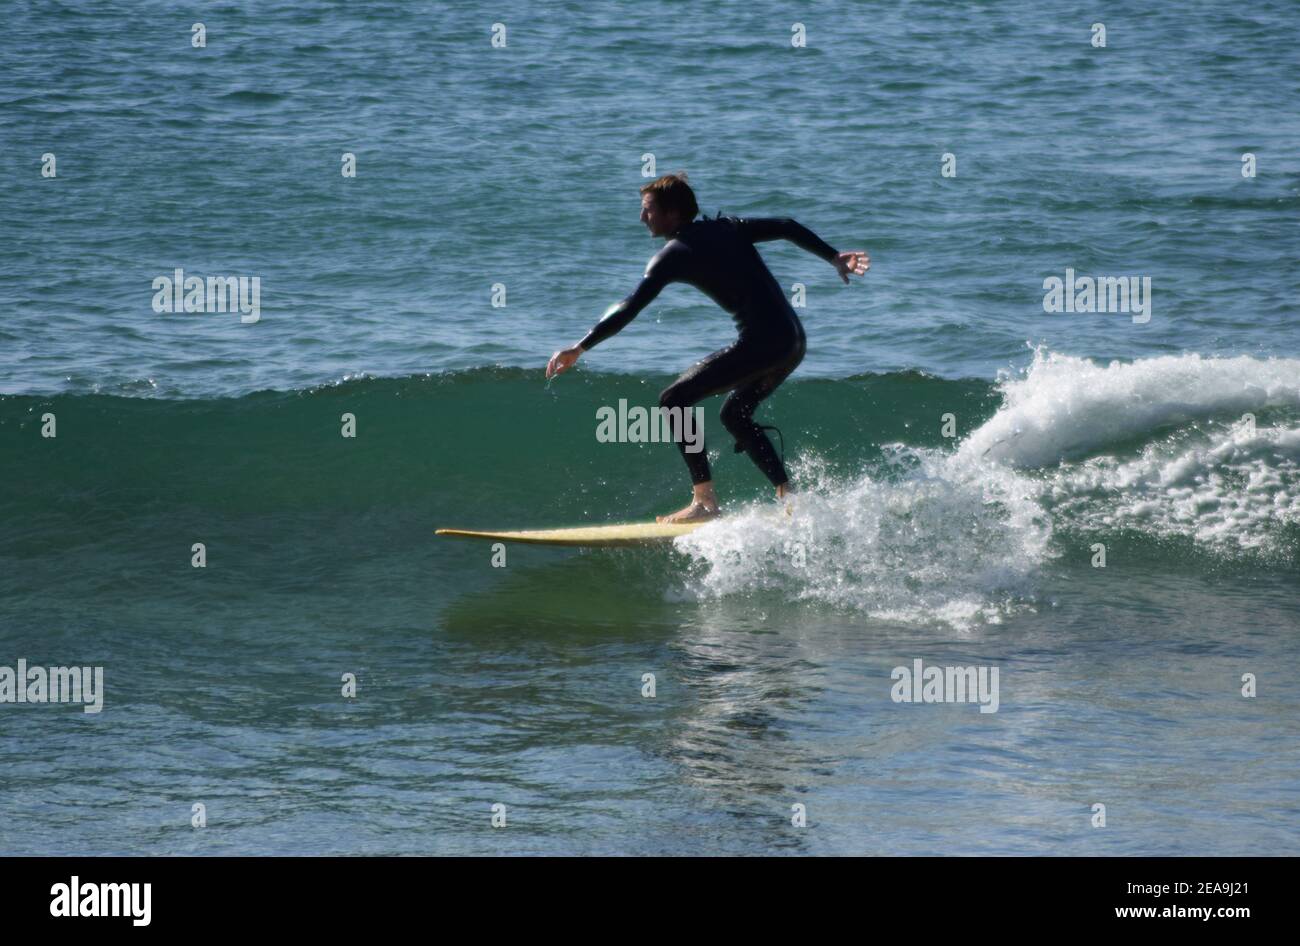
(717, 256)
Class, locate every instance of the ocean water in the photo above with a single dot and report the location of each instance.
(966, 460)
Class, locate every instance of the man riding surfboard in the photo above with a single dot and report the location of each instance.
(717, 256)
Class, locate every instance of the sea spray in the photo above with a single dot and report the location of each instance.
(923, 536)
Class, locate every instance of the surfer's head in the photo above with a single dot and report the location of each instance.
(667, 203)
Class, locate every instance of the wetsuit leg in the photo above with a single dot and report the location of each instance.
(724, 370)
(738, 417)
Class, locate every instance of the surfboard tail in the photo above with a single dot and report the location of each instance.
(629, 533)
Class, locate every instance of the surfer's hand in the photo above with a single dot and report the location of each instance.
(856, 262)
(562, 361)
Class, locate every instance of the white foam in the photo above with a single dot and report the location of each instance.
(1065, 407)
(1227, 487)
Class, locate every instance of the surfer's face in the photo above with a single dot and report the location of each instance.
(657, 221)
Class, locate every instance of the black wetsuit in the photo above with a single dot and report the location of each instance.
(717, 256)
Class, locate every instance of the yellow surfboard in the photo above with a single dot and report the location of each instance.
(629, 533)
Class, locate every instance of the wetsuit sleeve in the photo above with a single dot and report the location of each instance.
(758, 229)
(618, 316)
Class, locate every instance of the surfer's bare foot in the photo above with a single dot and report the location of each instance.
(703, 505)
(785, 496)
(695, 512)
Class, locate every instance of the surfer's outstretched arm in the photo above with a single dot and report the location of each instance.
(758, 229)
(613, 321)
(617, 316)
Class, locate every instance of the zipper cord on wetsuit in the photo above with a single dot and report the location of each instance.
(740, 448)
